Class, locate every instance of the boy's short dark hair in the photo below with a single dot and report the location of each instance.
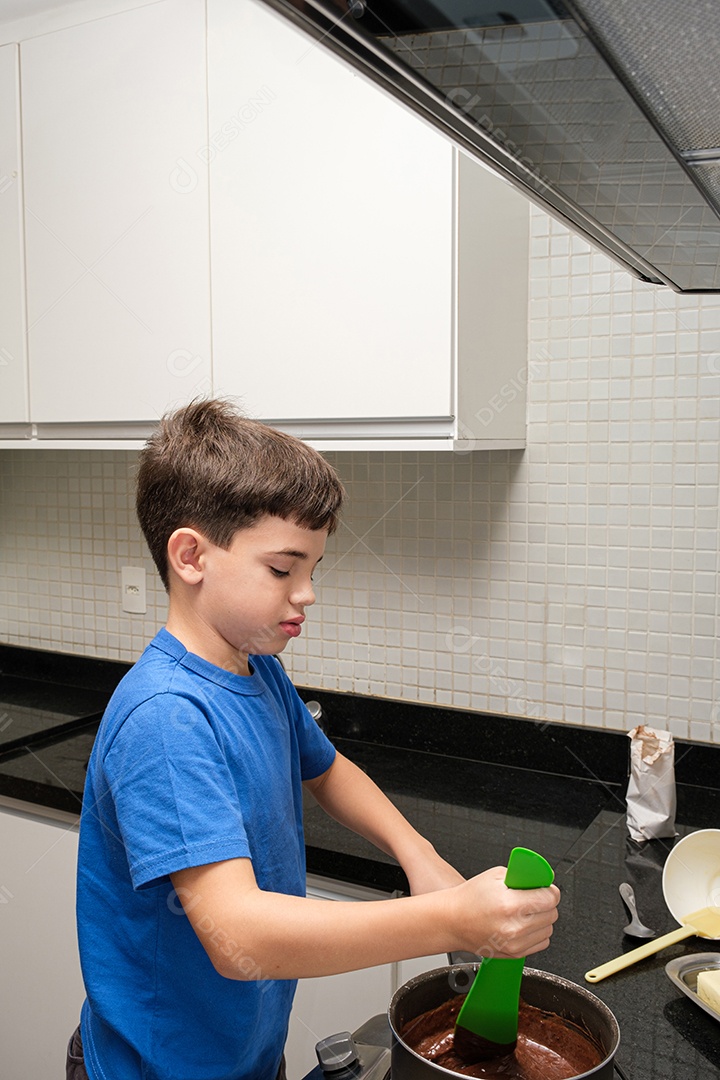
(209, 468)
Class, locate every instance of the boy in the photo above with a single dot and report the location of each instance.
(192, 918)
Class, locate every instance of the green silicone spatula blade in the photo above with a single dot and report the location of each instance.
(487, 1024)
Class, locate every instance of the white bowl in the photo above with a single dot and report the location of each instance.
(691, 875)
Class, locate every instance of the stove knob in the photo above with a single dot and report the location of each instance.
(337, 1052)
(316, 711)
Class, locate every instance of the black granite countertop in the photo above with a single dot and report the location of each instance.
(477, 785)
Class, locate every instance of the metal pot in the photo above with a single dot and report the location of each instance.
(539, 988)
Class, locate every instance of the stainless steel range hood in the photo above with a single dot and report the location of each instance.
(606, 112)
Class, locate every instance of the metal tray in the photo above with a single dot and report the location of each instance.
(684, 970)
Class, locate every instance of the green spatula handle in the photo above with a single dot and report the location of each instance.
(490, 1008)
(527, 870)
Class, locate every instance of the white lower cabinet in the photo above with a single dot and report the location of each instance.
(335, 1002)
(41, 991)
(408, 969)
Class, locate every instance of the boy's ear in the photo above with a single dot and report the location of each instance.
(185, 551)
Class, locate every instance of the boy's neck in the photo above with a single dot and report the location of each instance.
(203, 641)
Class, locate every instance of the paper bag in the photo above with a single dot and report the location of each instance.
(651, 798)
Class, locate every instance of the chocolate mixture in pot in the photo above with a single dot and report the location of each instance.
(548, 1047)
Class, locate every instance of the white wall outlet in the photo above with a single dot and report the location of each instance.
(133, 589)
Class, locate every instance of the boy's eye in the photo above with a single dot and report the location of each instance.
(279, 573)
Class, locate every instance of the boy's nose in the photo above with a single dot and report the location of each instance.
(303, 595)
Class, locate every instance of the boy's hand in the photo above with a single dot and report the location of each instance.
(497, 921)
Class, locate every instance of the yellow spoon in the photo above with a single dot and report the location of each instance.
(705, 923)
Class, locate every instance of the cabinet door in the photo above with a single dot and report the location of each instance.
(41, 991)
(13, 368)
(331, 231)
(114, 113)
(334, 1003)
(408, 969)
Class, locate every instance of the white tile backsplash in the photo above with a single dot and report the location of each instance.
(574, 581)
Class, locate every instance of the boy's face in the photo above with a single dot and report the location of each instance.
(253, 595)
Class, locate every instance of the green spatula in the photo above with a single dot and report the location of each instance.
(487, 1024)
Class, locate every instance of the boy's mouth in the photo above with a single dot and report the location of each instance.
(292, 627)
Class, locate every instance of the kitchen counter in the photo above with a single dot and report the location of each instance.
(50, 708)
(477, 785)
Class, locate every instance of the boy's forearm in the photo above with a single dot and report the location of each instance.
(297, 937)
(249, 933)
(353, 799)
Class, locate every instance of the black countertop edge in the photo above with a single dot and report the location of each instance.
(57, 733)
(64, 669)
(356, 870)
(542, 746)
(40, 795)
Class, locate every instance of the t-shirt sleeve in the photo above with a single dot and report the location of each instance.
(175, 800)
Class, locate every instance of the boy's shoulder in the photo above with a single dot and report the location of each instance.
(167, 669)
(154, 670)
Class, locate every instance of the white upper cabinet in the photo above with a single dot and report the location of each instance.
(13, 360)
(116, 214)
(200, 180)
(347, 305)
(331, 232)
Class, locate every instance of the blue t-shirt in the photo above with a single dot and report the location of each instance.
(191, 765)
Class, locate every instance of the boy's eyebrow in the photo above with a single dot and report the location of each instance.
(294, 554)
